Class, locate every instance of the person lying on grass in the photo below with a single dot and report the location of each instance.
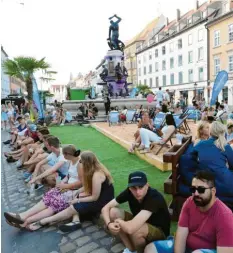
(96, 192)
(55, 200)
(149, 221)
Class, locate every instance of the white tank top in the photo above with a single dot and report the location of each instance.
(73, 173)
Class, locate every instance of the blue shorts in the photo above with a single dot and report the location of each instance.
(167, 246)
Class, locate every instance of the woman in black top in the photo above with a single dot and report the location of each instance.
(96, 192)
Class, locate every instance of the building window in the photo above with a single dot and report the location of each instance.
(200, 53)
(145, 83)
(179, 43)
(172, 63)
(139, 71)
(156, 67)
(156, 53)
(230, 32)
(163, 50)
(164, 80)
(216, 65)
(190, 56)
(216, 38)
(180, 60)
(190, 39)
(150, 68)
(150, 55)
(200, 35)
(151, 82)
(172, 79)
(171, 46)
(140, 82)
(190, 75)
(201, 74)
(230, 61)
(144, 58)
(163, 65)
(139, 60)
(180, 77)
(157, 81)
(144, 72)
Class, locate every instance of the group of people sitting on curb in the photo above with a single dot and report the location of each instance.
(80, 188)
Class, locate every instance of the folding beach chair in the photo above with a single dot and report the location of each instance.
(113, 118)
(181, 124)
(159, 120)
(171, 130)
(130, 116)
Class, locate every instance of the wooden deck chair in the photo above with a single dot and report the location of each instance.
(181, 124)
(159, 120)
(113, 117)
(170, 131)
(130, 116)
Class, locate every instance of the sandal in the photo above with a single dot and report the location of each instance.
(13, 218)
(69, 227)
(144, 151)
(37, 225)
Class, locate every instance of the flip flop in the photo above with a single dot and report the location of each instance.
(69, 227)
(13, 219)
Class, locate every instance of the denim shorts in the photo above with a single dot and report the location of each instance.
(167, 246)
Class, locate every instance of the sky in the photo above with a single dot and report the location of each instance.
(72, 34)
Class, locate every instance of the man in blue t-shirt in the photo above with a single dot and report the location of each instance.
(149, 218)
(19, 131)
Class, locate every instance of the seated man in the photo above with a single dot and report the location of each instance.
(149, 220)
(205, 223)
(46, 168)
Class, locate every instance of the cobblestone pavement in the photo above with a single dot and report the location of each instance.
(91, 238)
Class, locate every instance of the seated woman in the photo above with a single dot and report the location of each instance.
(230, 133)
(204, 114)
(55, 200)
(122, 115)
(146, 123)
(188, 164)
(216, 155)
(96, 192)
(148, 136)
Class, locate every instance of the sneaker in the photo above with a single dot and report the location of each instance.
(28, 179)
(19, 164)
(38, 186)
(26, 174)
(62, 124)
(126, 250)
(7, 142)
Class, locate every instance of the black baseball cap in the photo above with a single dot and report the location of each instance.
(137, 178)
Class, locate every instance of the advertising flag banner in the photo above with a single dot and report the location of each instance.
(220, 81)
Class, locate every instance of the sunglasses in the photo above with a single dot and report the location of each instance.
(199, 189)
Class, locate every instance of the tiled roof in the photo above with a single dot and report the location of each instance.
(142, 35)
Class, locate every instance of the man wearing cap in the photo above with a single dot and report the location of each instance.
(149, 221)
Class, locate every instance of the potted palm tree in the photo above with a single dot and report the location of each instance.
(24, 68)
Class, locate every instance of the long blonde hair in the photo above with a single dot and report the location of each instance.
(200, 126)
(91, 165)
(218, 131)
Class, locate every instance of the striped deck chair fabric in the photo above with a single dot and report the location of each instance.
(113, 118)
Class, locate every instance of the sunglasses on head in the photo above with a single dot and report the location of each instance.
(199, 189)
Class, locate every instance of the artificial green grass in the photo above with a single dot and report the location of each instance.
(112, 155)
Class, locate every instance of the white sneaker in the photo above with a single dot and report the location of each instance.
(18, 163)
(62, 124)
(126, 250)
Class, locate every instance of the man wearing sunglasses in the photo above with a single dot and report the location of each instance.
(205, 223)
(149, 220)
